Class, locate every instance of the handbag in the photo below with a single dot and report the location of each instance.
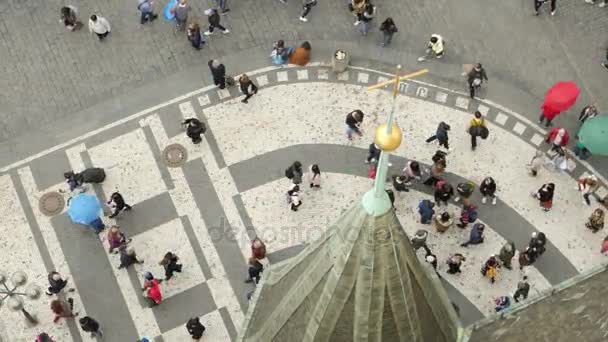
(483, 132)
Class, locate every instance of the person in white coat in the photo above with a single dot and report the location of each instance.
(100, 26)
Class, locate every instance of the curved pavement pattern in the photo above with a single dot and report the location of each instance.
(198, 211)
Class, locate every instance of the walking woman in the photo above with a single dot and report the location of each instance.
(477, 128)
(388, 29)
(218, 71)
(116, 238)
(314, 176)
(545, 196)
(488, 189)
(194, 36)
(169, 263)
(247, 87)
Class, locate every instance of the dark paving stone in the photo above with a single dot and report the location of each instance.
(48, 170)
(176, 310)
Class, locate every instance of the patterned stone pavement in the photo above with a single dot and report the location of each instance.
(231, 189)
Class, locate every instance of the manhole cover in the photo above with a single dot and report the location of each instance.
(175, 155)
(51, 203)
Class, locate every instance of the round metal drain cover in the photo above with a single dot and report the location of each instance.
(175, 155)
(52, 203)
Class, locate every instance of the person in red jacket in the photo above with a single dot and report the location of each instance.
(558, 138)
(152, 286)
(547, 115)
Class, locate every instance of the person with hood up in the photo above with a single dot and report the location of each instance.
(476, 236)
(558, 138)
(477, 128)
(195, 328)
(464, 190)
(475, 78)
(454, 262)
(301, 55)
(443, 192)
(314, 176)
(294, 172)
(467, 215)
(545, 196)
(218, 71)
(100, 26)
(523, 287)
(214, 22)
(180, 12)
(248, 88)
(426, 211)
(169, 263)
(596, 220)
(116, 238)
(443, 221)
(501, 303)
(151, 289)
(293, 196)
(490, 268)
(399, 184)
(56, 284)
(63, 309)
(194, 129)
(128, 257)
(354, 120)
(419, 241)
(488, 189)
(537, 162)
(434, 47)
(587, 186)
(90, 325)
(411, 171)
(506, 254)
(441, 135)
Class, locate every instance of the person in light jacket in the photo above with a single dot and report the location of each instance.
(100, 26)
(247, 87)
(314, 176)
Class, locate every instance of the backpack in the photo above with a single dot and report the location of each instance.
(465, 189)
(473, 216)
(440, 183)
(289, 172)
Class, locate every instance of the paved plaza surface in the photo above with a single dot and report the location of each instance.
(231, 189)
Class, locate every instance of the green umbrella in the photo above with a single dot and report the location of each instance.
(594, 135)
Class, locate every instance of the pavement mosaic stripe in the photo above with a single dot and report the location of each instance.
(554, 266)
(232, 330)
(165, 175)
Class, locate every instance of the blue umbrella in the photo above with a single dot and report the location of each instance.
(84, 209)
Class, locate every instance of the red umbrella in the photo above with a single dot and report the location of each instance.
(559, 98)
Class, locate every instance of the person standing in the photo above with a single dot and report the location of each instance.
(411, 171)
(293, 196)
(437, 170)
(100, 26)
(307, 5)
(441, 134)
(169, 263)
(69, 18)
(314, 176)
(419, 241)
(195, 328)
(443, 192)
(434, 47)
(56, 284)
(538, 241)
(467, 215)
(294, 172)
(587, 186)
(194, 129)
(248, 88)
(477, 128)
(366, 18)
(90, 325)
(116, 238)
(547, 115)
(373, 154)
(63, 309)
(146, 9)
(218, 71)
(254, 271)
(476, 236)
(537, 162)
(545, 196)
(539, 3)
(118, 203)
(596, 221)
(399, 184)
(558, 138)
(221, 5)
(506, 254)
(464, 191)
(501, 303)
(214, 22)
(426, 211)
(443, 221)
(180, 11)
(454, 262)
(523, 287)
(388, 29)
(44, 337)
(488, 189)
(490, 268)
(475, 78)
(128, 257)
(301, 55)
(589, 112)
(353, 123)
(152, 289)
(357, 8)
(194, 36)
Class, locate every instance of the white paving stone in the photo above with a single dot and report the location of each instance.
(215, 330)
(537, 139)
(130, 167)
(323, 74)
(519, 128)
(282, 76)
(483, 109)
(441, 97)
(422, 92)
(462, 102)
(343, 76)
(223, 93)
(203, 100)
(302, 74)
(601, 192)
(261, 80)
(501, 118)
(363, 77)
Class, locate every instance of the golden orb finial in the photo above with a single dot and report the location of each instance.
(388, 141)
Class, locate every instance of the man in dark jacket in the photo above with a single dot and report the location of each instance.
(373, 154)
(214, 21)
(195, 328)
(441, 135)
(475, 77)
(476, 237)
(194, 129)
(90, 325)
(523, 287)
(218, 71)
(56, 284)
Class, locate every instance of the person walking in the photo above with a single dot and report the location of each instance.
(118, 203)
(490, 268)
(419, 241)
(221, 6)
(254, 271)
(596, 220)
(214, 22)
(435, 47)
(558, 138)
(488, 189)
(146, 9)
(63, 309)
(399, 184)
(91, 326)
(475, 78)
(366, 18)
(506, 254)
(169, 263)
(293, 197)
(411, 171)
(441, 135)
(537, 162)
(258, 248)
(69, 18)
(443, 192)
(116, 239)
(314, 176)
(128, 257)
(476, 236)
(44, 337)
(194, 129)
(100, 26)
(248, 88)
(467, 215)
(56, 284)
(589, 112)
(294, 172)
(604, 247)
(194, 36)
(477, 128)
(218, 71)
(373, 154)
(587, 186)
(547, 115)
(455, 262)
(307, 5)
(464, 190)
(180, 11)
(523, 287)
(538, 241)
(545, 196)
(388, 29)
(353, 122)
(502, 303)
(195, 328)
(151, 289)
(357, 8)
(539, 3)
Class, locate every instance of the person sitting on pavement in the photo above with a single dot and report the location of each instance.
(596, 220)
(435, 47)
